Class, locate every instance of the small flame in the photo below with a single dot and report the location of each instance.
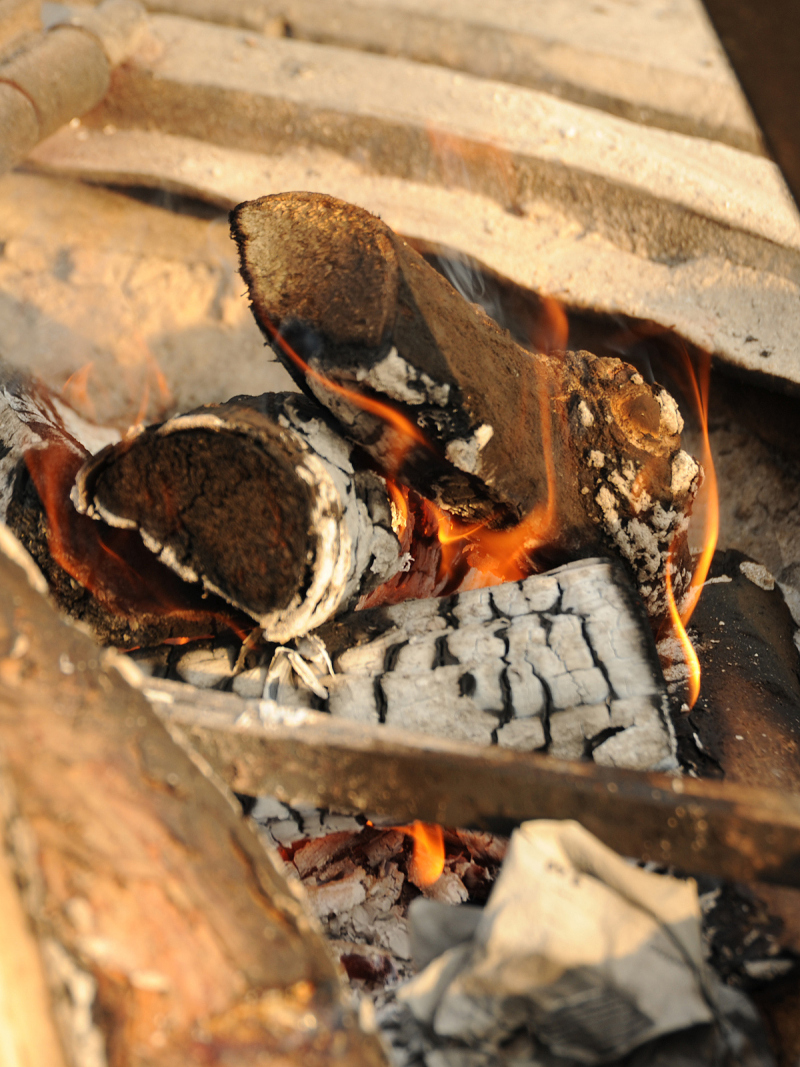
(551, 332)
(707, 510)
(427, 859)
(489, 557)
(407, 433)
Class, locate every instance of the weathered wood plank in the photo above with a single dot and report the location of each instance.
(310, 758)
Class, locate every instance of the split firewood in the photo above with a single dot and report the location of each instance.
(169, 935)
(261, 506)
(100, 575)
(579, 450)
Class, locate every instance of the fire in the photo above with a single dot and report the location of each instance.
(707, 510)
(427, 858)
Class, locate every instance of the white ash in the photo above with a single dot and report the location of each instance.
(394, 376)
(758, 574)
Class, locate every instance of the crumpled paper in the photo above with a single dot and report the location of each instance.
(587, 953)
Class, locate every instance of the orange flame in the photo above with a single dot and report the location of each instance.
(495, 556)
(427, 859)
(407, 433)
(76, 391)
(707, 510)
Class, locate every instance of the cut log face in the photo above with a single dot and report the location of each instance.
(268, 513)
(442, 397)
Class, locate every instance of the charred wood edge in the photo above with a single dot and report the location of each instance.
(351, 547)
(307, 757)
(563, 662)
(119, 839)
(63, 73)
(493, 414)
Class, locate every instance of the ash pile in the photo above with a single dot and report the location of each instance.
(444, 533)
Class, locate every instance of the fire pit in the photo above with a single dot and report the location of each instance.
(506, 513)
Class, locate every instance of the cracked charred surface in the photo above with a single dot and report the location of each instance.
(562, 663)
(258, 501)
(353, 311)
(144, 884)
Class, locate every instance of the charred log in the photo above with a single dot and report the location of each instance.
(442, 397)
(169, 935)
(562, 663)
(99, 575)
(264, 510)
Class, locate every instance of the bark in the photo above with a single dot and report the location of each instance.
(442, 397)
(169, 934)
(256, 499)
(99, 575)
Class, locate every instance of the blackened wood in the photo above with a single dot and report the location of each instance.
(102, 576)
(149, 893)
(468, 416)
(265, 510)
(310, 758)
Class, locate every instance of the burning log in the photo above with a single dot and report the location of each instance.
(169, 935)
(102, 576)
(577, 452)
(264, 508)
(561, 662)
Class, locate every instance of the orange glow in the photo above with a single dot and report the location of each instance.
(427, 859)
(552, 330)
(76, 391)
(705, 522)
(153, 377)
(400, 511)
(495, 556)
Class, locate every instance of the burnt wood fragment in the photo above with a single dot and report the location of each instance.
(443, 398)
(264, 510)
(102, 576)
(562, 662)
(169, 934)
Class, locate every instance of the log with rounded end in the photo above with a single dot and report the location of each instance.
(443, 398)
(232, 498)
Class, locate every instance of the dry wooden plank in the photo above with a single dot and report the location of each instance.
(18, 19)
(646, 62)
(170, 933)
(310, 758)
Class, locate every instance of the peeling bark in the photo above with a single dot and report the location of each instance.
(169, 934)
(442, 397)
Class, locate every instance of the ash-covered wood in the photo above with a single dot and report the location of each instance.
(265, 510)
(102, 576)
(562, 663)
(441, 396)
(169, 934)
